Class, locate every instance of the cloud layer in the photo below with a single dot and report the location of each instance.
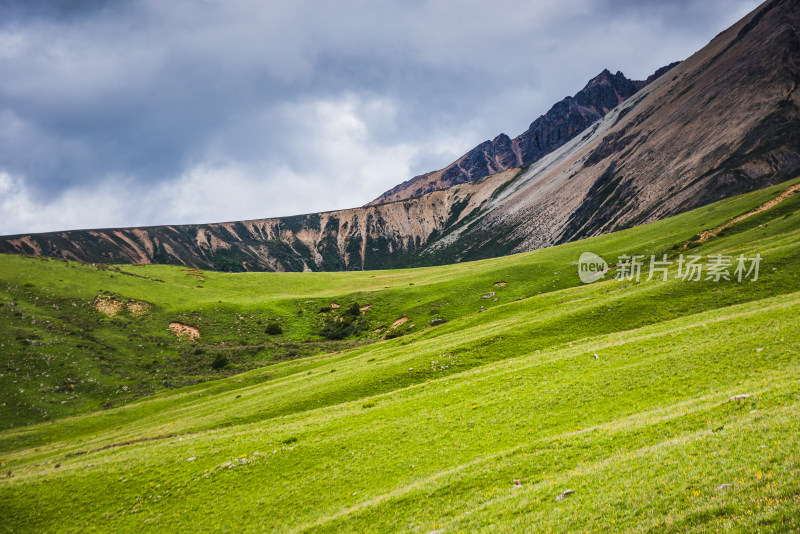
(122, 113)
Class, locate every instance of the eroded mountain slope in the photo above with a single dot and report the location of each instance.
(724, 121)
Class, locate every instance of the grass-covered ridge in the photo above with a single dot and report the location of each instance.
(617, 390)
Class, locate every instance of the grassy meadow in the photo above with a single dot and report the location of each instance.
(500, 395)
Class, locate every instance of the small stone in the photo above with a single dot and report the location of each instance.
(517, 482)
(723, 487)
(596, 357)
(759, 349)
(739, 397)
(191, 459)
(488, 295)
(564, 495)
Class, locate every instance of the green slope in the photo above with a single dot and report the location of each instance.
(426, 431)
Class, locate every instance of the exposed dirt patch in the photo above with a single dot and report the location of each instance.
(500, 284)
(184, 330)
(108, 305)
(334, 305)
(365, 308)
(708, 234)
(111, 306)
(195, 273)
(138, 308)
(401, 321)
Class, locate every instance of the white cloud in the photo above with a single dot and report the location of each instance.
(158, 112)
(345, 167)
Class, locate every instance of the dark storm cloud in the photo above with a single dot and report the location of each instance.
(14, 10)
(134, 112)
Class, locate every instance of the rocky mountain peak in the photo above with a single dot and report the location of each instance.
(562, 122)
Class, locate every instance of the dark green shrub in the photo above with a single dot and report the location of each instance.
(341, 327)
(353, 309)
(273, 328)
(220, 361)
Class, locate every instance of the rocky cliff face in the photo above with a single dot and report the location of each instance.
(723, 122)
(562, 122)
(374, 237)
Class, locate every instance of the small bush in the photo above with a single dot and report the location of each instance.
(220, 361)
(353, 309)
(273, 328)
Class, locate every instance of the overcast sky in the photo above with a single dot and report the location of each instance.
(127, 113)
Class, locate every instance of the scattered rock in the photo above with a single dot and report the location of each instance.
(191, 458)
(722, 487)
(564, 495)
(739, 397)
(500, 284)
(596, 357)
(334, 305)
(437, 321)
(488, 295)
(517, 482)
(759, 349)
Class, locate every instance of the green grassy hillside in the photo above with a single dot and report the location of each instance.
(473, 414)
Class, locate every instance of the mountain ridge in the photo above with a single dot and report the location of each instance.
(563, 121)
(724, 121)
